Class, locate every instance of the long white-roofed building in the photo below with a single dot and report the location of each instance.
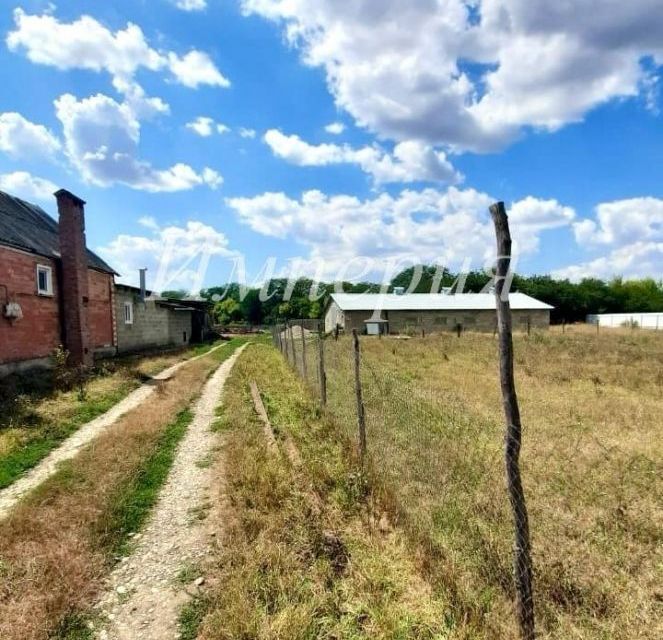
(398, 312)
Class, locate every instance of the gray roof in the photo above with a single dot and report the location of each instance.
(26, 226)
(431, 301)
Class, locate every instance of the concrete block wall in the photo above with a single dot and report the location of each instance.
(153, 325)
(440, 321)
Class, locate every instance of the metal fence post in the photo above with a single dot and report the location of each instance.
(513, 440)
(361, 416)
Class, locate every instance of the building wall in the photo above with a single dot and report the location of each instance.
(99, 307)
(333, 316)
(439, 321)
(153, 325)
(38, 332)
(179, 323)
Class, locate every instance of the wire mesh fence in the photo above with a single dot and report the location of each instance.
(422, 448)
(435, 452)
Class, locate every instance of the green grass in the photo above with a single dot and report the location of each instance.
(73, 627)
(133, 502)
(191, 617)
(37, 418)
(287, 570)
(201, 349)
(39, 444)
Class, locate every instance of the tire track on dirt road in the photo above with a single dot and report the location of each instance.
(82, 437)
(143, 598)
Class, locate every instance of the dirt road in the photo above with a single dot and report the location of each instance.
(147, 590)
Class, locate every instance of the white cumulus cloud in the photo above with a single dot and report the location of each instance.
(472, 75)
(174, 255)
(196, 68)
(629, 232)
(622, 222)
(335, 128)
(101, 139)
(85, 43)
(205, 126)
(411, 160)
(26, 186)
(424, 226)
(191, 5)
(21, 138)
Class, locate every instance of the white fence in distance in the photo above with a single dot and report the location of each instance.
(640, 320)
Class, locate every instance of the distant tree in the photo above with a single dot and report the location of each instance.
(177, 294)
(572, 301)
(432, 279)
(252, 307)
(227, 310)
(230, 290)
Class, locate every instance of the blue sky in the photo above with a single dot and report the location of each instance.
(192, 124)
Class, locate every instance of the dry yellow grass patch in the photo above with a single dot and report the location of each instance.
(592, 468)
(54, 546)
(291, 571)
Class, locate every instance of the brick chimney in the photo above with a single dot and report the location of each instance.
(74, 286)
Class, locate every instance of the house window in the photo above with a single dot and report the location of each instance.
(128, 313)
(440, 320)
(469, 320)
(44, 280)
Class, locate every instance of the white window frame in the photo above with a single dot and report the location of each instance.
(48, 291)
(128, 313)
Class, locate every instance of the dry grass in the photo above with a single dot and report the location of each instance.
(592, 465)
(295, 568)
(55, 546)
(35, 416)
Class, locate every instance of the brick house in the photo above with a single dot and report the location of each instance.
(53, 290)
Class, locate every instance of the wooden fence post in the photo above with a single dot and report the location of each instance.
(321, 365)
(513, 439)
(361, 416)
(304, 369)
(292, 346)
(286, 341)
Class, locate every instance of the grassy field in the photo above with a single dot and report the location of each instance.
(36, 416)
(301, 556)
(592, 465)
(57, 545)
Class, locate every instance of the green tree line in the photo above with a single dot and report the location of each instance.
(572, 301)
